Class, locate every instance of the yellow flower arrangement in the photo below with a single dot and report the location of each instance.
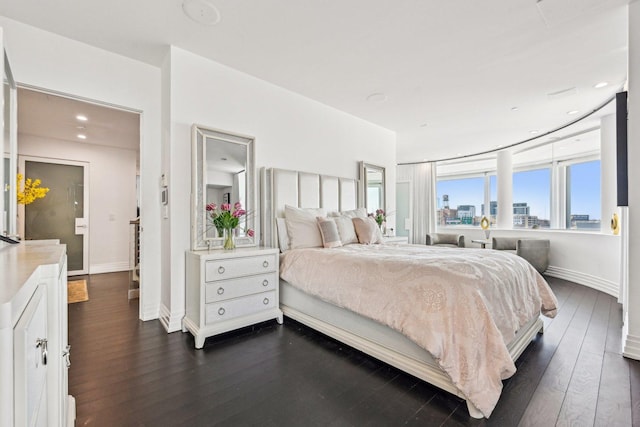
(31, 190)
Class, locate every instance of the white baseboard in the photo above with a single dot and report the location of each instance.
(630, 343)
(111, 267)
(172, 322)
(150, 313)
(597, 283)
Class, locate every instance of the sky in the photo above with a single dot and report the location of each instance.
(532, 187)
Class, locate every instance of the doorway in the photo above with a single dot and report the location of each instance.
(99, 142)
(63, 213)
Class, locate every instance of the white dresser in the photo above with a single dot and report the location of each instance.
(34, 355)
(227, 290)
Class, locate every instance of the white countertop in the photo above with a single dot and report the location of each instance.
(21, 266)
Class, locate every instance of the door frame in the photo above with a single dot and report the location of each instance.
(22, 159)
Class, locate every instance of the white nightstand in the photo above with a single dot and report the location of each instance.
(227, 290)
(395, 239)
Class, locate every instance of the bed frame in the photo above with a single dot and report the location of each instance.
(307, 190)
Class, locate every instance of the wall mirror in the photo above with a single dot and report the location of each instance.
(223, 172)
(373, 184)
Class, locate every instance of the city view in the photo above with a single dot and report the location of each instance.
(460, 201)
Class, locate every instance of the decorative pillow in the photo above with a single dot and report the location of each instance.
(355, 213)
(283, 237)
(302, 227)
(367, 230)
(346, 230)
(329, 232)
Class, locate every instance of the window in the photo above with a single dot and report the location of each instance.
(460, 201)
(583, 196)
(532, 198)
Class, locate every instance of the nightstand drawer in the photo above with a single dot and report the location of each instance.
(221, 269)
(229, 309)
(234, 288)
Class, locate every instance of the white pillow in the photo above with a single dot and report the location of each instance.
(354, 213)
(283, 237)
(302, 227)
(346, 230)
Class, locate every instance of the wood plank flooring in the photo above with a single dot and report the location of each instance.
(126, 372)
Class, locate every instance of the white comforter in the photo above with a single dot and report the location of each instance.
(461, 305)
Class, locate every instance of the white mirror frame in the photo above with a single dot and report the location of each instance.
(364, 168)
(9, 129)
(199, 136)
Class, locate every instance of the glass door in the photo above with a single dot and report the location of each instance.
(8, 161)
(63, 213)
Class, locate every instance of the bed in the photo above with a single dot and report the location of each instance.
(450, 327)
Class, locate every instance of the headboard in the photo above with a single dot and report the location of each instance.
(280, 187)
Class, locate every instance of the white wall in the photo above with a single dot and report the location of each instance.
(291, 132)
(45, 60)
(112, 195)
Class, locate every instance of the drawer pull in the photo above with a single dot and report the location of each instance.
(42, 344)
(265, 264)
(265, 301)
(220, 290)
(221, 269)
(265, 282)
(221, 311)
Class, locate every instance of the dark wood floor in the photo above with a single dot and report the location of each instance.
(130, 373)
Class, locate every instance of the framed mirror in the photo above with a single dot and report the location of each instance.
(373, 185)
(222, 173)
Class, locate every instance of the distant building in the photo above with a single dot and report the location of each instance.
(521, 209)
(493, 208)
(466, 213)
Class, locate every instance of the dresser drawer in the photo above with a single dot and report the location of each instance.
(229, 309)
(234, 288)
(221, 269)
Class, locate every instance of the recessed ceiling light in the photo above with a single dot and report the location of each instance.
(377, 98)
(514, 108)
(81, 127)
(572, 112)
(201, 11)
(82, 117)
(533, 132)
(82, 136)
(424, 125)
(600, 85)
(224, 159)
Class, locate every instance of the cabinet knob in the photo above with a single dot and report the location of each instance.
(220, 290)
(42, 344)
(221, 311)
(265, 264)
(265, 282)
(265, 301)
(221, 269)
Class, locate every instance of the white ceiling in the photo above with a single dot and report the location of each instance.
(451, 71)
(54, 117)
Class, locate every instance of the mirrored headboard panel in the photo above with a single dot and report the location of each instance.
(222, 172)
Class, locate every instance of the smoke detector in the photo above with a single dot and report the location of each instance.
(201, 11)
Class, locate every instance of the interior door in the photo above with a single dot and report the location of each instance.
(63, 213)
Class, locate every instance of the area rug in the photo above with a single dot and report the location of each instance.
(77, 291)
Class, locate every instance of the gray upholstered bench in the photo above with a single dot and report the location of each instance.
(536, 251)
(445, 239)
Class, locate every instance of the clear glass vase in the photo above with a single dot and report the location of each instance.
(229, 239)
